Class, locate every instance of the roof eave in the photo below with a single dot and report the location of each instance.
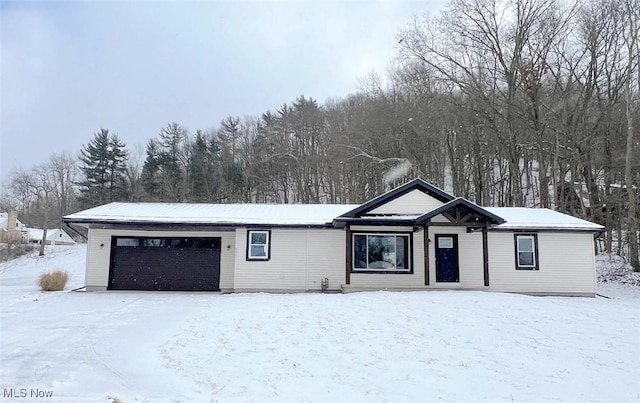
(85, 222)
(549, 229)
(341, 222)
(426, 218)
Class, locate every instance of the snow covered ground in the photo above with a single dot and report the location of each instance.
(362, 347)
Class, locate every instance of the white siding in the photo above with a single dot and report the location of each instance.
(440, 218)
(470, 260)
(326, 258)
(414, 202)
(98, 257)
(299, 260)
(566, 261)
(382, 281)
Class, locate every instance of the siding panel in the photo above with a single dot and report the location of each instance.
(566, 260)
(300, 259)
(325, 258)
(414, 202)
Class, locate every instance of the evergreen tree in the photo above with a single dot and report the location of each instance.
(229, 135)
(104, 170)
(204, 169)
(172, 160)
(233, 172)
(150, 177)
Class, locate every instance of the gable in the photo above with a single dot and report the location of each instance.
(461, 211)
(414, 202)
(409, 187)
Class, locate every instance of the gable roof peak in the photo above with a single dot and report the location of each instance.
(415, 184)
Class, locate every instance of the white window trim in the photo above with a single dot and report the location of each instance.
(267, 245)
(534, 246)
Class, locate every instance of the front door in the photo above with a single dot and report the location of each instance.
(447, 270)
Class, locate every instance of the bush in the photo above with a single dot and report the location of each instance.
(53, 281)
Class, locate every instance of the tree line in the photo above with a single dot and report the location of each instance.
(504, 102)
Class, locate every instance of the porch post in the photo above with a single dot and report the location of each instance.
(348, 255)
(485, 256)
(426, 255)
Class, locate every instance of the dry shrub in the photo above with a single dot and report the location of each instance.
(54, 280)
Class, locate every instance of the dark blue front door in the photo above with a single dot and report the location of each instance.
(447, 259)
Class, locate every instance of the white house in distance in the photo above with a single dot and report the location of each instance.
(12, 229)
(414, 237)
(55, 236)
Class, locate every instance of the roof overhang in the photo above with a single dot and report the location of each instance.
(462, 211)
(141, 224)
(543, 228)
(389, 220)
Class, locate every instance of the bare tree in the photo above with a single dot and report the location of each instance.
(36, 189)
(632, 109)
(64, 173)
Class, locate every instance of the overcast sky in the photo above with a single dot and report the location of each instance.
(70, 68)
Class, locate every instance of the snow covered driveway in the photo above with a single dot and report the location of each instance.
(364, 347)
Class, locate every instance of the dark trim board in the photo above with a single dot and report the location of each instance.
(399, 222)
(457, 220)
(426, 255)
(146, 226)
(485, 257)
(536, 230)
(349, 257)
(350, 269)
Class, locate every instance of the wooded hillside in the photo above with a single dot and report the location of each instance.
(507, 103)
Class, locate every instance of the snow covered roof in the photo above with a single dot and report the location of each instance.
(52, 234)
(540, 218)
(214, 214)
(517, 218)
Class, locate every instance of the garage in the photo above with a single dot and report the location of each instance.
(165, 264)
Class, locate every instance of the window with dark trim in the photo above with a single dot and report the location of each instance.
(258, 245)
(381, 253)
(526, 249)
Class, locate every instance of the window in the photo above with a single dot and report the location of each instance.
(258, 245)
(128, 242)
(526, 252)
(381, 253)
(167, 243)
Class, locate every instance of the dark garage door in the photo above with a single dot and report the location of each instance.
(165, 264)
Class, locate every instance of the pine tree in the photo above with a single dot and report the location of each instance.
(204, 169)
(104, 167)
(150, 176)
(233, 172)
(172, 161)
